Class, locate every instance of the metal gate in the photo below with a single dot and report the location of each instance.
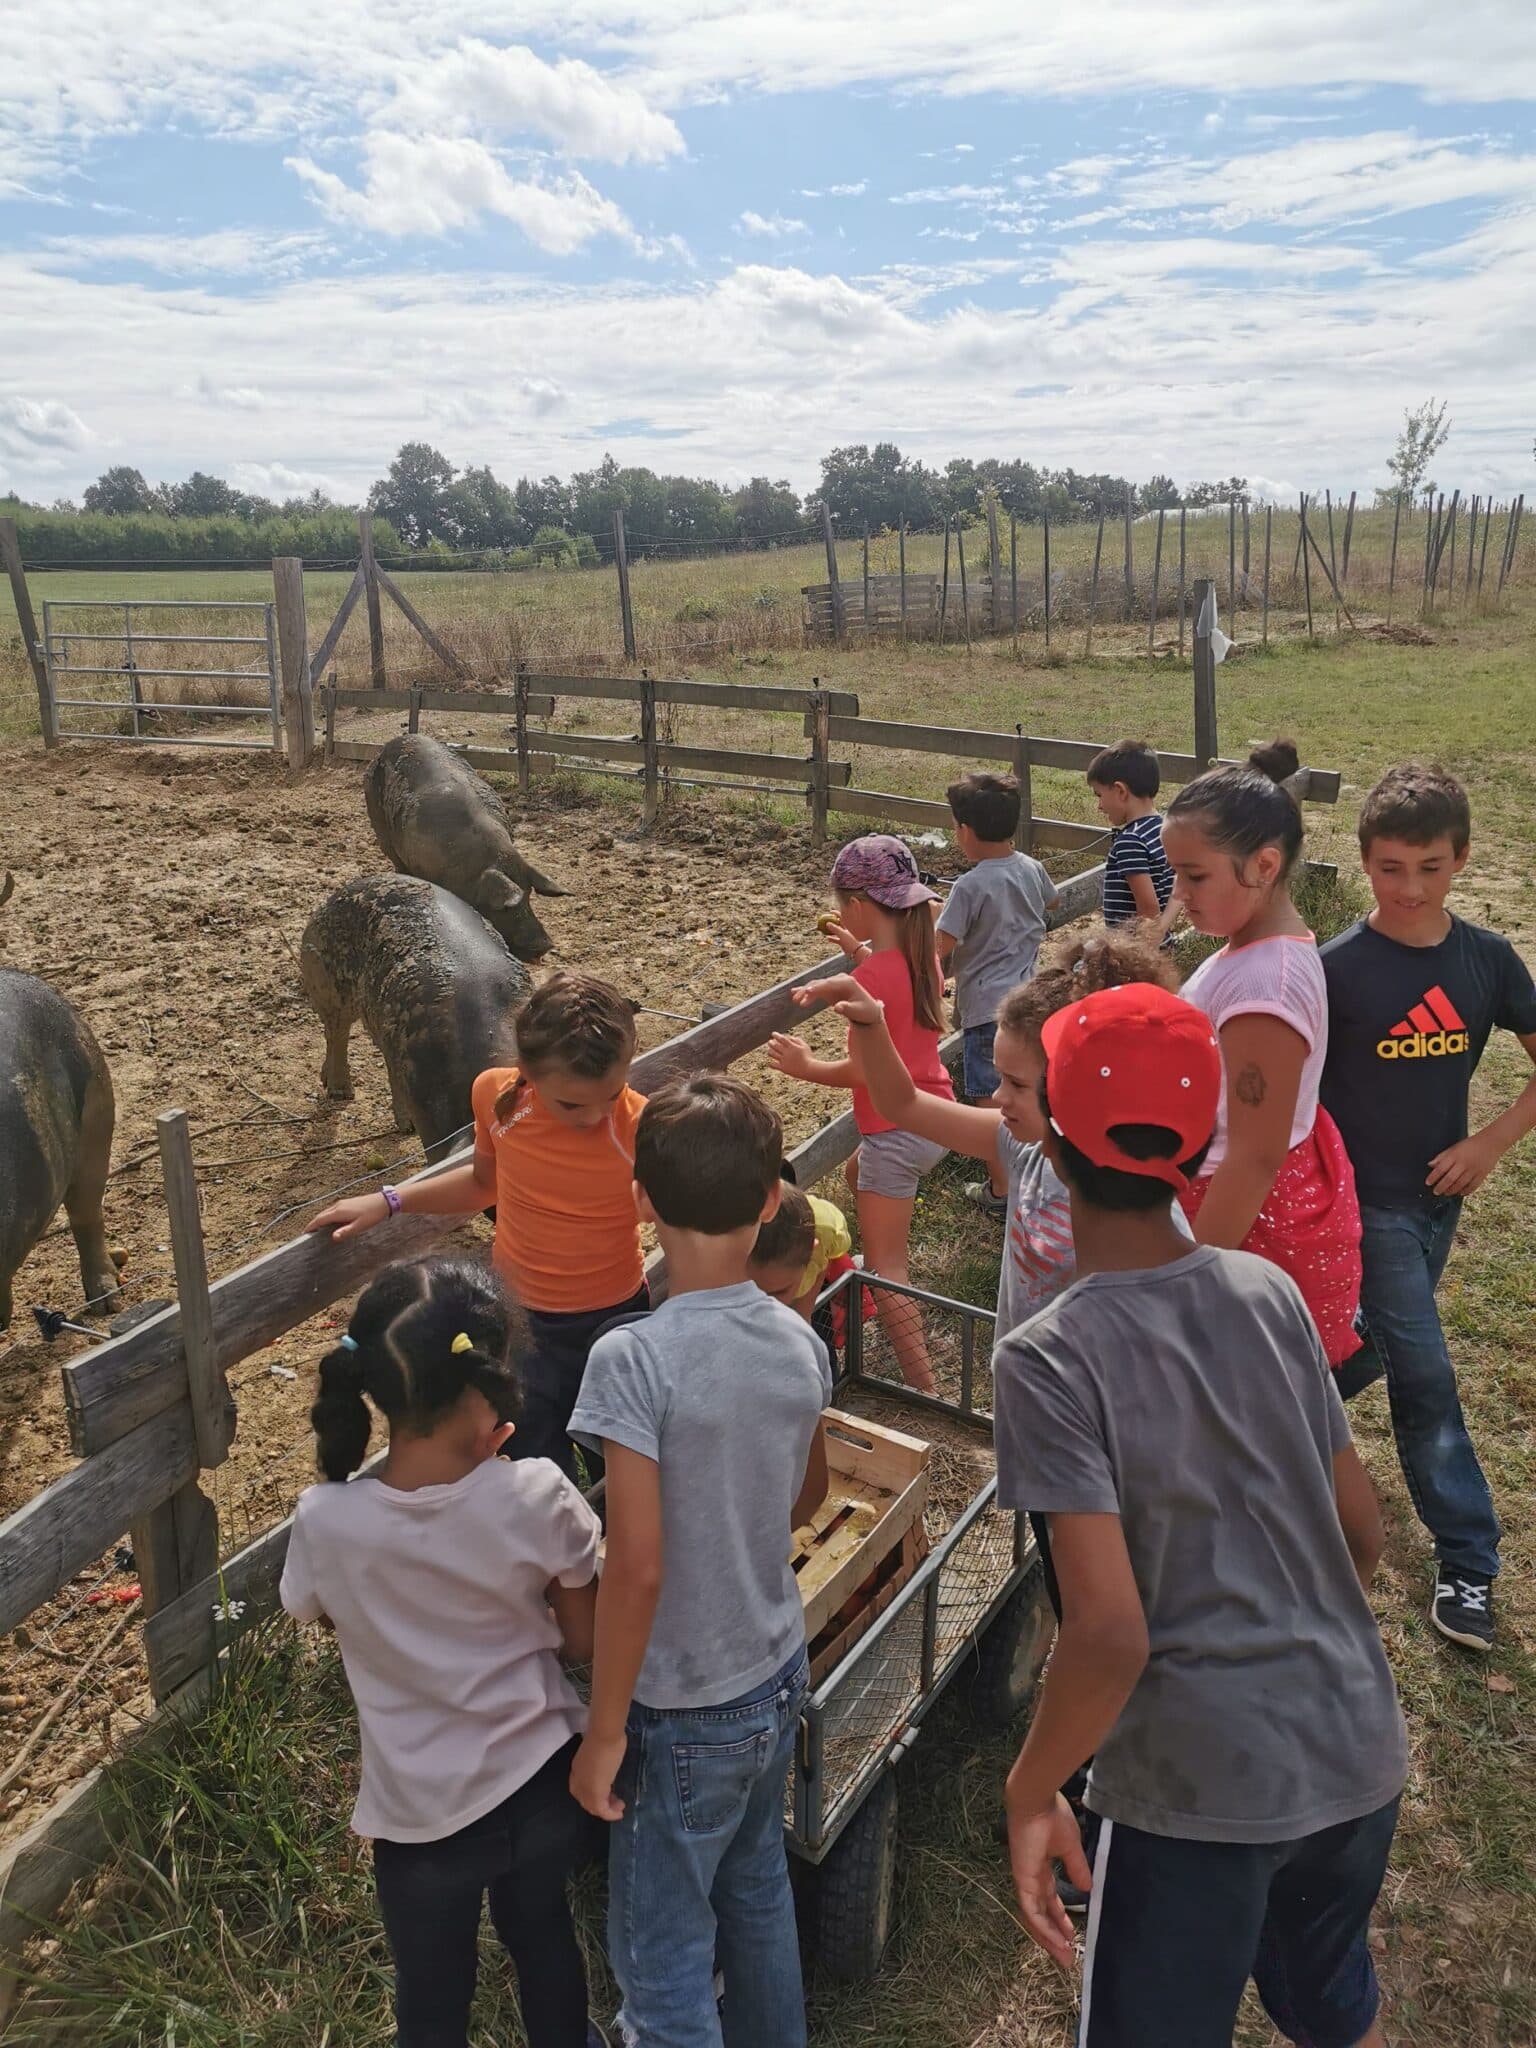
(114, 696)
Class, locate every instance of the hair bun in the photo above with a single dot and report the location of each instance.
(1279, 760)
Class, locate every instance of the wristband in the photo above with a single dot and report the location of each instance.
(391, 1200)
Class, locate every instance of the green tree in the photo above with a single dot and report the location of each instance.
(761, 509)
(118, 491)
(414, 496)
(483, 511)
(1424, 433)
(1159, 494)
(201, 497)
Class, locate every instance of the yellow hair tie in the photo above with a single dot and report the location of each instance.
(460, 1343)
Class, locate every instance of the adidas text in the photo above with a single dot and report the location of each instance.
(1422, 1046)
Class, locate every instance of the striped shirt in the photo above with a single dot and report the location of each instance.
(1135, 849)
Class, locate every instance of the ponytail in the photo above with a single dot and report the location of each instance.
(420, 1334)
(917, 949)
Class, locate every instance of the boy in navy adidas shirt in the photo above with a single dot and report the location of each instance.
(1138, 881)
(1413, 996)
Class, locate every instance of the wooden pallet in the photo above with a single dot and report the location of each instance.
(878, 1490)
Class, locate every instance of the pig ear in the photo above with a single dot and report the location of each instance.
(541, 885)
(496, 891)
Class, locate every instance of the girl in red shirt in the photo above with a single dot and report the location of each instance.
(886, 929)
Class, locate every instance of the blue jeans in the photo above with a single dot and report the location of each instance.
(552, 1374)
(978, 1075)
(696, 1869)
(1403, 1253)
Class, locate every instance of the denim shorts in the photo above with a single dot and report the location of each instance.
(978, 1075)
(893, 1162)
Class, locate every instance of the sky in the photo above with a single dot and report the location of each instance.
(1199, 237)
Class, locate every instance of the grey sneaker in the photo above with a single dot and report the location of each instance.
(980, 1192)
(1463, 1608)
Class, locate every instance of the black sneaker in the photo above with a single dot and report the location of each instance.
(1463, 1608)
(980, 1192)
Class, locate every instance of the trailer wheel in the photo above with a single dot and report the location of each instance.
(1012, 1653)
(856, 1890)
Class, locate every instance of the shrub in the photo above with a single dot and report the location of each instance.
(696, 611)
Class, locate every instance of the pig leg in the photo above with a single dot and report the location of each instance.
(338, 1017)
(83, 1196)
(400, 1103)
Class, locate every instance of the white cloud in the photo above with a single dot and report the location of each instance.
(948, 195)
(240, 397)
(432, 185)
(480, 89)
(31, 425)
(227, 252)
(773, 226)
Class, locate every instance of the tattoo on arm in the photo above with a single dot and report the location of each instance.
(1250, 1087)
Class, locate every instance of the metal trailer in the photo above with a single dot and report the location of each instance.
(976, 1608)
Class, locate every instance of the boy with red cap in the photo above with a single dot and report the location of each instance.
(1173, 1416)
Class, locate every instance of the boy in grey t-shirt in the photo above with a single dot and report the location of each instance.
(1174, 1418)
(707, 1414)
(989, 934)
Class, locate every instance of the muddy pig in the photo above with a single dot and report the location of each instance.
(56, 1116)
(435, 817)
(434, 985)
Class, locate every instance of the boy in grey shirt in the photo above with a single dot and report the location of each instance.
(989, 934)
(707, 1414)
(1173, 1416)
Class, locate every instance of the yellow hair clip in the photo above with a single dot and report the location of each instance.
(460, 1343)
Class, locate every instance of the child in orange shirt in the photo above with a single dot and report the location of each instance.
(555, 1153)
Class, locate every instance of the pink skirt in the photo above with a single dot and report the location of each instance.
(1309, 1227)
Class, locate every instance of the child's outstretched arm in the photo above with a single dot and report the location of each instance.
(956, 1125)
(626, 1607)
(1461, 1169)
(459, 1192)
(1100, 1654)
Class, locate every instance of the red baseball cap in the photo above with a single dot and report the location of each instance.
(1132, 1055)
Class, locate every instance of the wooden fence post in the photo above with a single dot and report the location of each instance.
(177, 1544)
(1471, 544)
(1232, 561)
(1157, 577)
(1013, 575)
(371, 595)
(1206, 749)
(328, 692)
(1024, 835)
(1183, 586)
(1269, 534)
(1349, 528)
(1482, 560)
(866, 578)
(1247, 542)
(839, 624)
(1093, 591)
(820, 744)
(995, 607)
(965, 595)
(520, 727)
(1130, 559)
(648, 746)
(1397, 520)
(1514, 535)
(944, 586)
(901, 568)
(1306, 563)
(1045, 522)
(621, 557)
(1333, 564)
(1450, 581)
(10, 554)
(293, 654)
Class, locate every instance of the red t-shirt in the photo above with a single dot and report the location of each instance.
(886, 977)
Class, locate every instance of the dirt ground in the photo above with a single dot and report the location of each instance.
(164, 892)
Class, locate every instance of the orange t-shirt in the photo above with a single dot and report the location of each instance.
(567, 1236)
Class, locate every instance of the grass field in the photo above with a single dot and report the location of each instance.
(240, 1918)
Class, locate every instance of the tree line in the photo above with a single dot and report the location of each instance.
(425, 508)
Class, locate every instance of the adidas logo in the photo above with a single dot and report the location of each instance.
(1431, 1030)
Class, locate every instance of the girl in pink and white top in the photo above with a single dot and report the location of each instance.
(1277, 1180)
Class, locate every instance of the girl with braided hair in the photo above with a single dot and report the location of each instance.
(555, 1154)
(456, 1582)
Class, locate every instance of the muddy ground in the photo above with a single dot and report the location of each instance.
(164, 892)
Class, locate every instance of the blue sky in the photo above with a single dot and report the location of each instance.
(1132, 234)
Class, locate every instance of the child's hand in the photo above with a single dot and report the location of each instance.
(1461, 1169)
(593, 1769)
(1034, 1840)
(348, 1218)
(849, 998)
(790, 1056)
(832, 927)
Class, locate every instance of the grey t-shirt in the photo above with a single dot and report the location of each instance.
(996, 916)
(722, 1388)
(1193, 1401)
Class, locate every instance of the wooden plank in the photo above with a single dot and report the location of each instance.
(74, 1519)
(1205, 673)
(649, 751)
(821, 777)
(213, 1407)
(962, 744)
(1066, 836)
(115, 1387)
(337, 627)
(292, 638)
(621, 561)
(10, 555)
(354, 750)
(439, 647)
(370, 570)
(474, 703)
(613, 689)
(175, 1546)
(567, 746)
(835, 588)
(874, 803)
(754, 697)
(1078, 896)
(772, 767)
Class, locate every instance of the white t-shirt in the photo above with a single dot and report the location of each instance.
(438, 1599)
(1280, 977)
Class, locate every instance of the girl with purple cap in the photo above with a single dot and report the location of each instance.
(886, 930)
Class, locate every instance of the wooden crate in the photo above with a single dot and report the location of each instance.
(878, 1489)
(868, 1602)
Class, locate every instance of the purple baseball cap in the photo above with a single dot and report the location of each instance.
(882, 868)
